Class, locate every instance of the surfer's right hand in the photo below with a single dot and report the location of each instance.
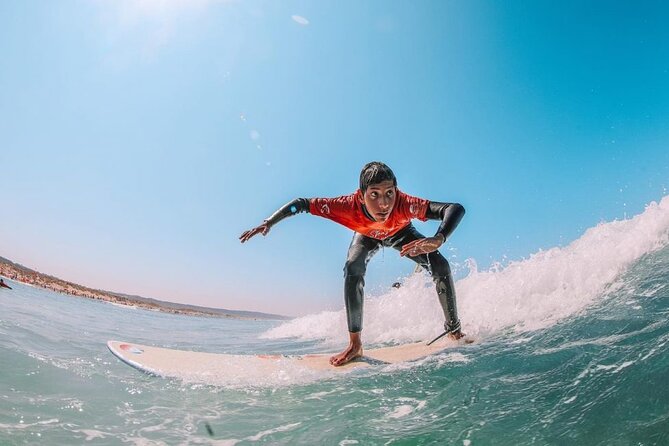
(262, 229)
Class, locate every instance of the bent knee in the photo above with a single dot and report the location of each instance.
(354, 268)
(439, 266)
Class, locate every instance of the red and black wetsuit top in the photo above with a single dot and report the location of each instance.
(348, 210)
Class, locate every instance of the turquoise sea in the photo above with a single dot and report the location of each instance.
(572, 348)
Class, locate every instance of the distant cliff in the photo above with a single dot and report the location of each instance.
(20, 273)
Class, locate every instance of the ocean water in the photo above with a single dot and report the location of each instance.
(572, 348)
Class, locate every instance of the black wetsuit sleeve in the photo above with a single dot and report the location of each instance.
(296, 206)
(450, 215)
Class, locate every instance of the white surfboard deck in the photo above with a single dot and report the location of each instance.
(170, 363)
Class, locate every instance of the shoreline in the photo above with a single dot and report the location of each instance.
(26, 276)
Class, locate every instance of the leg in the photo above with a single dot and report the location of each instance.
(359, 253)
(443, 279)
(438, 267)
(361, 250)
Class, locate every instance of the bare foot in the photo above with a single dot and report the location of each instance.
(352, 352)
(456, 335)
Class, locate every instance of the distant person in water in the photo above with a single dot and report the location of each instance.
(4, 285)
(381, 214)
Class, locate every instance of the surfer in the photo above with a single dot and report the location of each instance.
(381, 214)
(4, 285)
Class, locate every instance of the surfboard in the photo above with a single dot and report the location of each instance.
(199, 366)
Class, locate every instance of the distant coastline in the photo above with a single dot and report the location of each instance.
(20, 273)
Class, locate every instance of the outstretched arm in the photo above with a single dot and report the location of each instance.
(450, 215)
(296, 206)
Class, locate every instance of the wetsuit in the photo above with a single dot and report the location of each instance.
(395, 232)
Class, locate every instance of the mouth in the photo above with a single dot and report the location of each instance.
(382, 215)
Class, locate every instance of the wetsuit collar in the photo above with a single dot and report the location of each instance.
(366, 212)
(364, 208)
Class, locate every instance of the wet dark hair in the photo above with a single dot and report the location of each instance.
(375, 173)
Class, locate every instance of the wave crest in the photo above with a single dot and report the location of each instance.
(525, 295)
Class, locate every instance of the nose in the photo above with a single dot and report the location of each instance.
(384, 203)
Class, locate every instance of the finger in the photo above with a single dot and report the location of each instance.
(428, 246)
(431, 246)
(412, 252)
(248, 234)
(412, 244)
(419, 249)
(409, 246)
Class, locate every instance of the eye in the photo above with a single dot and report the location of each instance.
(374, 195)
(390, 193)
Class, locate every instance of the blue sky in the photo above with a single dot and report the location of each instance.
(138, 139)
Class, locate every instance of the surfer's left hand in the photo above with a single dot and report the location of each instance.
(422, 246)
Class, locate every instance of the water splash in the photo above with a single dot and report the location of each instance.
(525, 295)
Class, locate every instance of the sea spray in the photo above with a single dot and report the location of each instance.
(525, 295)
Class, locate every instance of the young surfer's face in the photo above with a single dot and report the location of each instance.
(379, 199)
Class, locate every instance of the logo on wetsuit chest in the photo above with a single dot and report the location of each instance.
(377, 233)
(325, 209)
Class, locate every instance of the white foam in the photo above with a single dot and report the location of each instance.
(262, 434)
(409, 405)
(92, 434)
(525, 295)
(570, 400)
